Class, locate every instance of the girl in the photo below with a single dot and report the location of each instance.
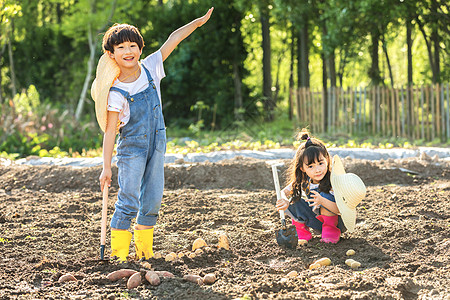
(309, 175)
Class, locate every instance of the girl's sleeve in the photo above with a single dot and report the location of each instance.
(288, 190)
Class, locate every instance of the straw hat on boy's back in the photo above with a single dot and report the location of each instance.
(107, 72)
(349, 190)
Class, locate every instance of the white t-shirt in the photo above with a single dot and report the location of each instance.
(118, 103)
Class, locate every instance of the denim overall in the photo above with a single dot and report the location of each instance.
(140, 159)
(301, 212)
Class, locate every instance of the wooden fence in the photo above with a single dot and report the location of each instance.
(415, 112)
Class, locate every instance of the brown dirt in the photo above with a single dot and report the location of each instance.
(50, 226)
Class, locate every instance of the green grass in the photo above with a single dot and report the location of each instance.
(257, 136)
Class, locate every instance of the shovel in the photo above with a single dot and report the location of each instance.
(286, 237)
(104, 218)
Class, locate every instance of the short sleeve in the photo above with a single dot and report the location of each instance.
(154, 63)
(115, 101)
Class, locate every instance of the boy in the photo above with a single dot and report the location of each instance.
(128, 101)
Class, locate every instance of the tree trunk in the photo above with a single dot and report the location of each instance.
(1, 93)
(303, 62)
(267, 72)
(237, 92)
(342, 63)
(388, 62)
(437, 68)
(430, 51)
(409, 45)
(87, 79)
(332, 67)
(11, 61)
(291, 74)
(92, 50)
(325, 91)
(374, 71)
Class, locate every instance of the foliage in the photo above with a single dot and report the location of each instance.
(29, 127)
(47, 44)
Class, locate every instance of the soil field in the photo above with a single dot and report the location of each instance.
(50, 226)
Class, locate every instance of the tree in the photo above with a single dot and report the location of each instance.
(85, 16)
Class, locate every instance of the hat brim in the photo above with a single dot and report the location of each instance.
(348, 215)
(107, 72)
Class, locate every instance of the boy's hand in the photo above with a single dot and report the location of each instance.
(105, 178)
(205, 18)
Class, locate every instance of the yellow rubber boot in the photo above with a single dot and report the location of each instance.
(120, 243)
(143, 242)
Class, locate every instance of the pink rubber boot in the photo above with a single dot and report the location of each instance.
(302, 231)
(330, 232)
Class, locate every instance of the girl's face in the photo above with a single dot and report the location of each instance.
(316, 170)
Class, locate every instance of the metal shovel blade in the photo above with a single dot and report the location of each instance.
(287, 238)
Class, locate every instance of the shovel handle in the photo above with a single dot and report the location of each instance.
(104, 219)
(277, 189)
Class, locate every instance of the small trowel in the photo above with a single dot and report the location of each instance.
(287, 236)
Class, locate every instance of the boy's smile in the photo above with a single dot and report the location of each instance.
(127, 56)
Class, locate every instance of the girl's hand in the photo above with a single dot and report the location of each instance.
(282, 204)
(205, 18)
(105, 178)
(316, 200)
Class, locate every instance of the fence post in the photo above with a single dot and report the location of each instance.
(442, 116)
(433, 109)
(438, 110)
(448, 112)
(402, 102)
(422, 136)
(364, 110)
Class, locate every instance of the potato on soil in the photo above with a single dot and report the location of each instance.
(171, 256)
(323, 261)
(192, 255)
(66, 277)
(146, 265)
(165, 274)
(198, 251)
(152, 277)
(223, 242)
(292, 274)
(352, 263)
(198, 243)
(116, 275)
(134, 280)
(209, 278)
(350, 252)
(193, 278)
(302, 242)
(314, 266)
(157, 255)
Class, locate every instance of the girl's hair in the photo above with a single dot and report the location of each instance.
(119, 33)
(308, 153)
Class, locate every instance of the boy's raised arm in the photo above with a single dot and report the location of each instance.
(183, 32)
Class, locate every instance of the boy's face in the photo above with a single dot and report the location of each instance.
(126, 55)
(316, 170)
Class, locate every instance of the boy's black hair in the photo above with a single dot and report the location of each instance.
(119, 33)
